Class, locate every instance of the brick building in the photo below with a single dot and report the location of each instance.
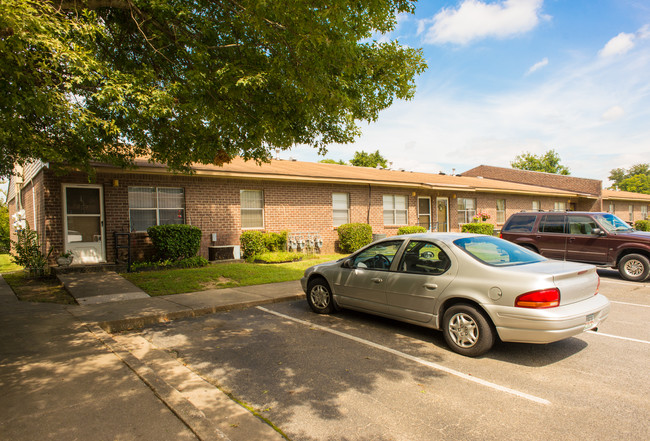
(71, 212)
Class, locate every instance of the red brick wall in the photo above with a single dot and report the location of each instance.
(213, 205)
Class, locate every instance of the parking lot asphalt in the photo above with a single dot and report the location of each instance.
(267, 370)
(354, 376)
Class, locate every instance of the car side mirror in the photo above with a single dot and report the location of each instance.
(348, 263)
(598, 232)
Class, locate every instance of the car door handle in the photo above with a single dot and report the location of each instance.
(431, 286)
(377, 280)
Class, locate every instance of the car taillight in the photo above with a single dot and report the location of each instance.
(597, 286)
(545, 298)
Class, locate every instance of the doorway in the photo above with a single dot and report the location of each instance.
(424, 212)
(83, 223)
(442, 205)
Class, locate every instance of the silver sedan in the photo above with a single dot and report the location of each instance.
(473, 287)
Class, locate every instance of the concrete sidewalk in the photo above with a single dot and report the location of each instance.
(64, 376)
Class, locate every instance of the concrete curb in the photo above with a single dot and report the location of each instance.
(192, 417)
(129, 324)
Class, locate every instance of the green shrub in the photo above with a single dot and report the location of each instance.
(28, 251)
(276, 241)
(252, 243)
(642, 225)
(176, 241)
(478, 227)
(411, 229)
(276, 257)
(354, 236)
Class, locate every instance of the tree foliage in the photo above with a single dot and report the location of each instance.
(363, 159)
(549, 162)
(193, 80)
(332, 161)
(635, 179)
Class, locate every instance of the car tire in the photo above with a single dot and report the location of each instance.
(634, 267)
(319, 296)
(467, 330)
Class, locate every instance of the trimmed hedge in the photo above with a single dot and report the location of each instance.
(412, 229)
(276, 241)
(478, 227)
(252, 243)
(642, 225)
(175, 241)
(354, 236)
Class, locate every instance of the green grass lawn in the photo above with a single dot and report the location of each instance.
(7, 265)
(227, 275)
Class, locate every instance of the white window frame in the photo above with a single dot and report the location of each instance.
(393, 211)
(559, 206)
(466, 215)
(339, 209)
(242, 209)
(537, 206)
(630, 210)
(157, 208)
(644, 212)
(612, 208)
(501, 213)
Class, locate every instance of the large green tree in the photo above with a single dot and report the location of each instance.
(363, 159)
(549, 162)
(184, 81)
(635, 179)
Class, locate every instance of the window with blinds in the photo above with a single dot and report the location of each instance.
(466, 210)
(149, 206)
(340, 209)
(395, 210)
(252, 209)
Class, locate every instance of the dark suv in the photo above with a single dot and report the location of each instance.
(598, 238)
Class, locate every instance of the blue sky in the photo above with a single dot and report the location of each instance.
(510, 76)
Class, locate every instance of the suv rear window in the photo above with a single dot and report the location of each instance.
(552, 223)
(522, 223)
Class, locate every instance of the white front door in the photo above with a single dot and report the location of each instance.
(424, 212)
(83, 222)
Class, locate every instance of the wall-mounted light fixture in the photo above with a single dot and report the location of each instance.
(116, 183)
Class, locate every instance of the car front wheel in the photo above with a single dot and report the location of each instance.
(319, 296)
(634, 267)
(467, 330)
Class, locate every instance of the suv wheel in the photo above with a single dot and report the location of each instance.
(634, 267)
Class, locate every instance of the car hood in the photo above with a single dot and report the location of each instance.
(576, 281)
(635, 235)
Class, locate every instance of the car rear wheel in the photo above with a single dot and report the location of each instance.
(319, 296)
(634, 267)
(467, 330)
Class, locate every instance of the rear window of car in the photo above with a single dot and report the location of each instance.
(552, 223)
(497, 252)
(522, 223)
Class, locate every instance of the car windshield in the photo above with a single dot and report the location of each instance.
(612, 223)
(497, 252)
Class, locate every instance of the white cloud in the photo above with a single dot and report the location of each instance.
(445, 128)
(613, 113)
(537, 66)
(618, 45)
(475, 20)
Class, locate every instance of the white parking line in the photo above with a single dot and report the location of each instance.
(616, 282)
(620, 338)
(412, 358)
(631, 304)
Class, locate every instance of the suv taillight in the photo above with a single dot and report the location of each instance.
(545, 298)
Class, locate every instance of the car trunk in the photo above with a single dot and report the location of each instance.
(576, 282)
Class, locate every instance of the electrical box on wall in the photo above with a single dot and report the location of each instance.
(214, 237)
